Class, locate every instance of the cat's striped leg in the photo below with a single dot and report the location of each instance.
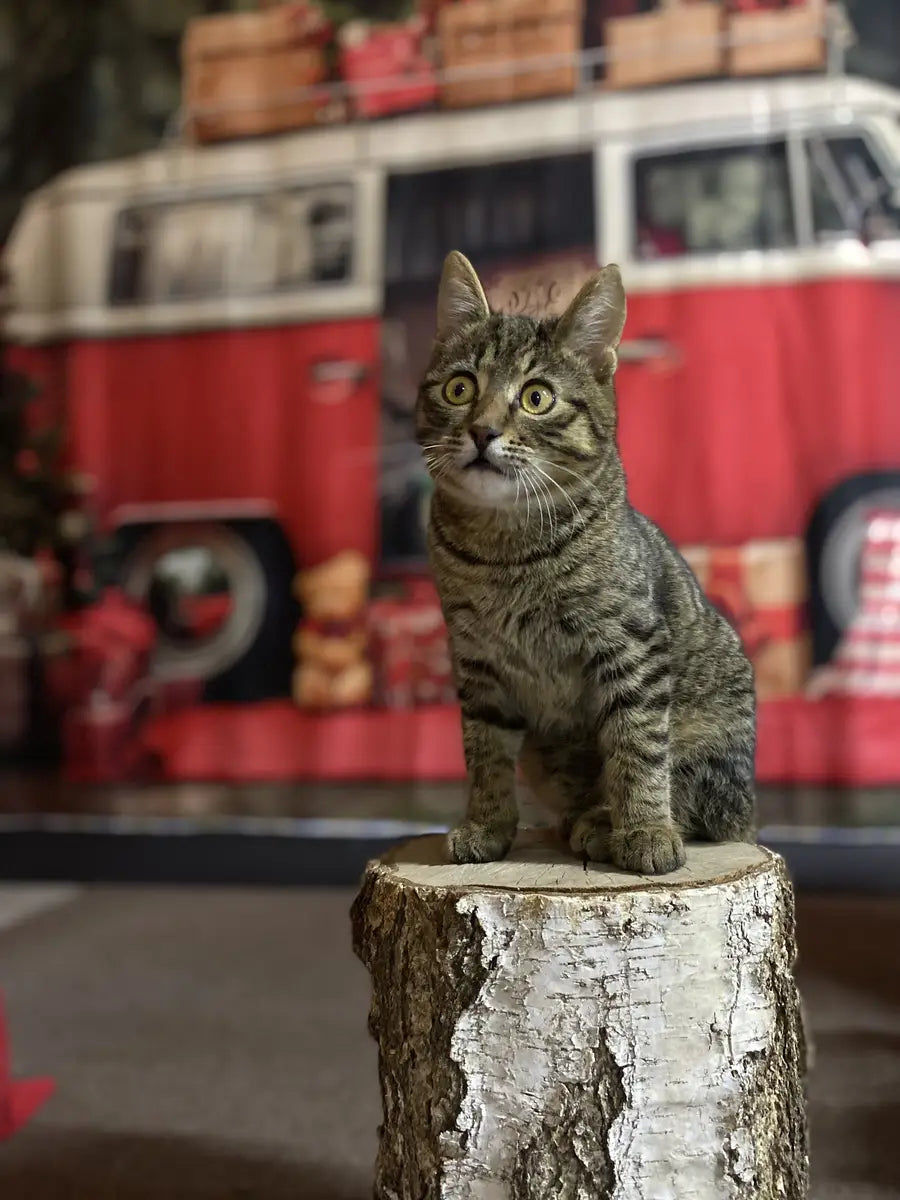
(491, 741)
(637, 762)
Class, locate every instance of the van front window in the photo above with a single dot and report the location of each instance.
(851, 196)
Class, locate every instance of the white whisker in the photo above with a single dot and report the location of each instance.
(576, 512)
(536, 483)
(438, 465)
(551, 509)
(588, 483)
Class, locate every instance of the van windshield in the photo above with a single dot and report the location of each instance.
(851, 194)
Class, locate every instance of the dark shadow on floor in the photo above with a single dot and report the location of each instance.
(856, 1145)
(42, 1164)
(848, 975)
(852, 940)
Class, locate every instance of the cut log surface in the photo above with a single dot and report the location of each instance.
(547, 1032)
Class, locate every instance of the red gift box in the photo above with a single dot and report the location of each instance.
(772, 37)
(761, 587)
(103, 739)
(110, 692)
(388, 65)
(112, 641)
(247, 73)
(432, 676)
(409, 650)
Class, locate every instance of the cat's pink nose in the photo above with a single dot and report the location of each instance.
(482, 436)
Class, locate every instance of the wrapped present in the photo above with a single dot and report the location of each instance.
(252, 73)
(103, 738)
(497, 50)
(409, 650)
(676, 41)
(769, 39)
(761, 587)
(432, 675)
(387, 67)
(108, 688)
(112, 644)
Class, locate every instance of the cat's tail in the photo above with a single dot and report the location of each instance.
(717, 801)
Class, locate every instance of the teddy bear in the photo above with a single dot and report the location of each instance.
(331, 640)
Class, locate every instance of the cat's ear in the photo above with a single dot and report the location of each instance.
(461, 298)
(592, 324)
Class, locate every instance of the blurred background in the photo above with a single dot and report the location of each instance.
(222, 234)
(221, 656)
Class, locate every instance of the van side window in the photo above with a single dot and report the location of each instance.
(849, 191)
(240, 245)
(492, 213)
(704, 201)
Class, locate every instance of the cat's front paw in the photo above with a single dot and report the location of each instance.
(650, 850)
(589, 835)
(472, 842)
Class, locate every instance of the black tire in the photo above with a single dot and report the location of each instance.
(834, 541)
(250, 657)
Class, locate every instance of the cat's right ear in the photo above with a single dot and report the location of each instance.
(461, 298)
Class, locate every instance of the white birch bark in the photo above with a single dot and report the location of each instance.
(551, 1033)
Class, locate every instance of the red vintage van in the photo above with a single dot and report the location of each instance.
(234, 334)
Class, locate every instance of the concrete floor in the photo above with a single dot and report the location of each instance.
(212, 1045)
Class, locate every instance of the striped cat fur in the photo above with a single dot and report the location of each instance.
(583, 647)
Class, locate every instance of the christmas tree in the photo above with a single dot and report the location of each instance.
(41, 502)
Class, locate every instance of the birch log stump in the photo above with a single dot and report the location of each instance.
(547, 1032)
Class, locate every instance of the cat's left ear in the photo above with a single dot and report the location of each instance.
(461, 298)
(592, 324)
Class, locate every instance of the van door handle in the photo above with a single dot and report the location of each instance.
(650, 349)
(339, 371)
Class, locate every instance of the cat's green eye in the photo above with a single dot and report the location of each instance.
(536, 398)
(460, 389)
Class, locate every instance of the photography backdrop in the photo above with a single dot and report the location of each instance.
(220, 650)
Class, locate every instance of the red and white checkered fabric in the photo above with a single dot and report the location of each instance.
(867, 659)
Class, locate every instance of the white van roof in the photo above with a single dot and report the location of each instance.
(425, 139)
(58, 255)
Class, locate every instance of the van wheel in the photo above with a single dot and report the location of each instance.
(834, 543)
(221, 594)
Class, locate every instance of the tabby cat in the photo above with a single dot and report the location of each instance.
(583, 647)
